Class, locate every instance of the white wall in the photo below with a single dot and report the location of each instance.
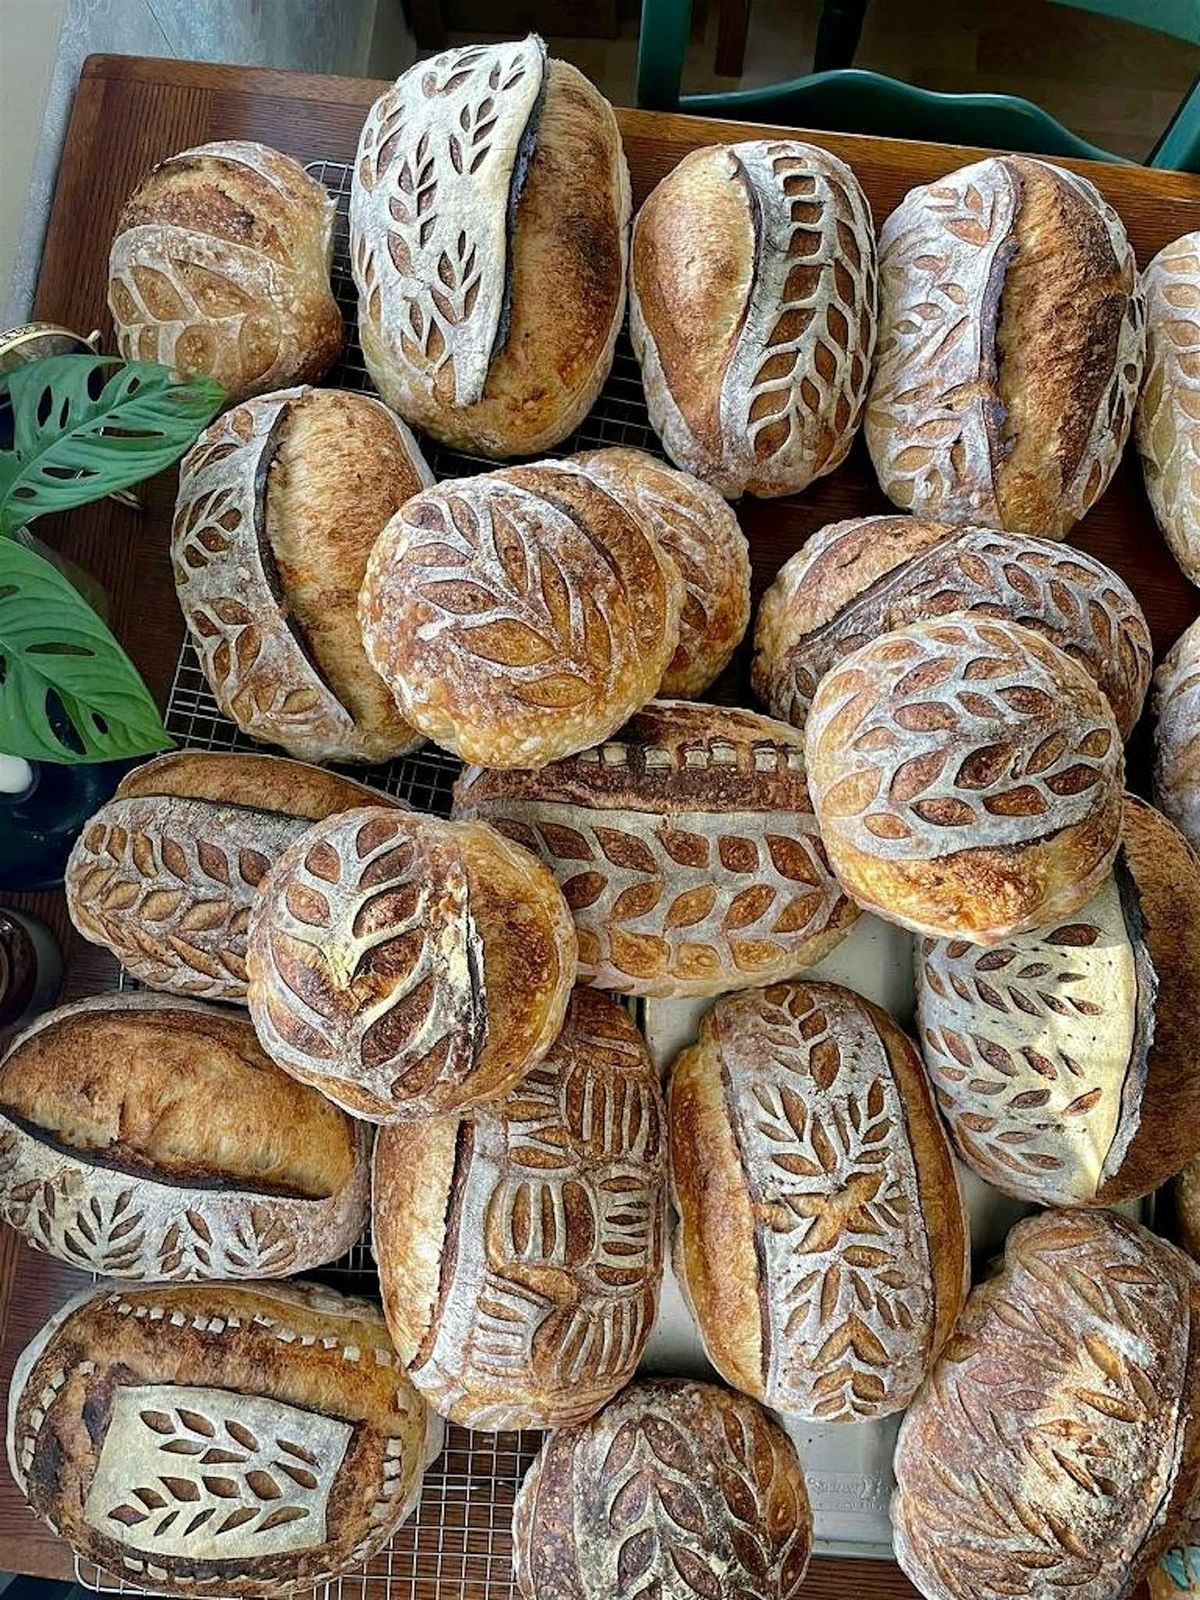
(29, 32)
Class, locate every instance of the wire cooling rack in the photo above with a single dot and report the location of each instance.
(458, 1544)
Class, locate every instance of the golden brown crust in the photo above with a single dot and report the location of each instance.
(1167, 422)
(1177, 734)
(257, 783)
(412, 1183)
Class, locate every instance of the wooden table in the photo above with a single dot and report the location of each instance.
(130, 112)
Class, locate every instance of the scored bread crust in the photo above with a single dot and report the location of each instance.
(220, 266)
(279, 504)
(700, 533)
(520, 1248)
(165, 873)
(967, 778)
(521, 615)
(1177, 734)
(1167, 420)
(1057, 1439)
(857, 579)
(489, 218)
(752, 313)
(1010, 347)
(686, 848)
(143, 1136)
(822, 1240)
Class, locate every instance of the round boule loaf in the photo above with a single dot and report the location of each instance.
(966, 776)
(1167, 420)
(408, 966)
(520, 1247)
(1177, 734)
(1056, 1443)
(1066, 1060)
(677, 1490)
(220, 267)
(855, 580)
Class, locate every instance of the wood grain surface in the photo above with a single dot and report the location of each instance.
(130, 112)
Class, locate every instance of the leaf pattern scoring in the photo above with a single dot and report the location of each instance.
(1167, 420)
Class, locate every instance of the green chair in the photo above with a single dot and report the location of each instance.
(854, 101)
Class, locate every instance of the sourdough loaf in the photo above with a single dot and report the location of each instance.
(220, 266)
(1010, 347)
(686, 848)
(1167, 420)
(489, 217)
(1186, 1192)
(520, 1248)
(165, 873)
(280, 502)
(143, 1136)
(752, 312)
(1177, 734)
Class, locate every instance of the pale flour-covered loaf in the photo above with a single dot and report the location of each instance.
(677, 1490)
(521, 615)
(148, 1137)
(1066, 1061)
(966, 776)
(1056, 1443)
(165, 873)
(855, 580)
(220, 266)
(1010, 347)
(701, 535)
(686, 848)
(408, 966)
(219, 1438)
(520, 1249)
(489, 218)
(1177, 734)
(752, 312)
(822, 1243)
(1167, 420)
(280, 502)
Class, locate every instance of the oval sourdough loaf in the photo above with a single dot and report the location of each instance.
(966, 777)
(822, 1243)
(701, 535)
(686, 847)
(489, 216)
(520, 1248)
(679, 1490)
(1177, 734)
(220, 265)
(219, 1438)
(752, 312)
(1167, 420)
(1066, 1061)
(1056, 1443)
(1010, 347)
(143, 1136)
(408, 966)
(855, 580)
(280, 502)
(165, 873)
(521, 615)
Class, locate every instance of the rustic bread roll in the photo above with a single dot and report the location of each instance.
(966, 777)
(521, 615)
(408, 966)
(686, 848)
(855, 580)
(164, 874)
(1057, 1440)
(220, 266)
(520, 1249)
(218, 1438)
(279, 504)
(675, 1490)
(1167, 419)
(752, 312)
(146, 1137)
(1066, 1061)
(489, 217)
(1010, 347)
(1177, 734)
(702, 537)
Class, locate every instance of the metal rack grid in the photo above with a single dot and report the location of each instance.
(458, 1543)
